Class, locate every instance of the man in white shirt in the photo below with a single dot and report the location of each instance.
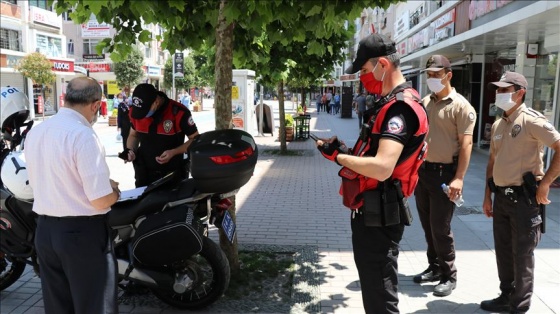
(72, 194)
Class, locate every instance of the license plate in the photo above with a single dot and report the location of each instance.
(228, 226)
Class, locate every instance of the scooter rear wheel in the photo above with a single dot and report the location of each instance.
(210, 272)
(10, 271)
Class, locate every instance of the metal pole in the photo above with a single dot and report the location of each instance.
(173, 79)
(261, 114)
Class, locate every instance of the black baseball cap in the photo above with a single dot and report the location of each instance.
(373, 46)
(142, 99)
(437, 63)
(510, 78)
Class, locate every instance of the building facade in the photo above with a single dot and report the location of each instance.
(483, 39)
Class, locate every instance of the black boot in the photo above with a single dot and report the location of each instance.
(427, 275)
(499, 304)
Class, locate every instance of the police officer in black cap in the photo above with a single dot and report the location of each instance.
(156, 142)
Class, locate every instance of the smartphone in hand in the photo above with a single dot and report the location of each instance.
(124, 154)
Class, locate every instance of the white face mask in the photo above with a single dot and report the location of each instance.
(434, 84)
(504, 101)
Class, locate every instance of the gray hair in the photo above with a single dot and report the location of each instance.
(394, 58)
(82, 91)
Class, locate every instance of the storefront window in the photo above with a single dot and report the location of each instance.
(48, 106)
(545, 75)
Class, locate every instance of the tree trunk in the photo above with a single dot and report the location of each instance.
(222, 107)
(223, 70)
(282, 129)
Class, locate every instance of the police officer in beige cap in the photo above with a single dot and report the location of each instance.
(516, 159)
(452, 120)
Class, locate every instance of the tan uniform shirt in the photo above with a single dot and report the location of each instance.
(449, 117)
(518, 145)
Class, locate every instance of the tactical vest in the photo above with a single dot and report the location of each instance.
(406, 170)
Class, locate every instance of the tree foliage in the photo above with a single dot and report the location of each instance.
(37, 67)
(129, 71)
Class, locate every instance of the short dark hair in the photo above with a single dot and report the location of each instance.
(518, 87)
(82, 92)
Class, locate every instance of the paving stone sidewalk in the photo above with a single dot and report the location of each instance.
(293, 200)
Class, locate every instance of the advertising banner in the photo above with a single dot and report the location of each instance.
(178, 71)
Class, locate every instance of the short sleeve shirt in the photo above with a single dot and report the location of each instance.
(517, 144)
(449, 117)
(66, 165)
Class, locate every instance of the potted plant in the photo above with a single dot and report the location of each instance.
(289, 124)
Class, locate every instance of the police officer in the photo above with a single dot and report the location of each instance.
(452, 120)
(517, 147)
(390, 147)
(156, 142)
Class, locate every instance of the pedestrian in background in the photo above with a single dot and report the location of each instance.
(517, 148)
(336, 98)
(452, 120)
(123, 121)
(361, 108)
(72, 195)
(156, 142)
(390, 147)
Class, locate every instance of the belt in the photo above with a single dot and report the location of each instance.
(94, 217)
(436, 166)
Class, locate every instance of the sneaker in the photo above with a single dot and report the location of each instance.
(499, 304)
(444, 288)
(426, 276)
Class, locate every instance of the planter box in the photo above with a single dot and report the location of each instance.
(112, 121)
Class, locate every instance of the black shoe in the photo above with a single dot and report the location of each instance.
(427, 275)
(444, 288)
(499, 304)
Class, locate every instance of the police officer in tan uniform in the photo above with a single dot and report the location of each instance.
(452, 120)
(517, 148)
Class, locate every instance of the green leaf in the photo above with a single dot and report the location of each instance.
(94, 5)
(145, 36)
(316, 9)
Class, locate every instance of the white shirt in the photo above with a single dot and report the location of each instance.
(66, 166)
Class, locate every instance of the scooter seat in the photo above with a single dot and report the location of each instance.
(126, 212)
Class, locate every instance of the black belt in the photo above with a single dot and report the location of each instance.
(436, 166)
(94, 217)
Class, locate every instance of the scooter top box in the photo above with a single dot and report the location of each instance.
(222, 160)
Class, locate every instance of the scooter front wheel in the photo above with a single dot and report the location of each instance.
(10, 271)
(210, 274)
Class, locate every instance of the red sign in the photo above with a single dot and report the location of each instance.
(62, 66)
(39, 104)
(98, 67)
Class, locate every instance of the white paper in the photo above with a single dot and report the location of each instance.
(132, 194)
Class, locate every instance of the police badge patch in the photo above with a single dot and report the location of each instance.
(515, 130)
(471, 116)
(395, 125)
(167, 125)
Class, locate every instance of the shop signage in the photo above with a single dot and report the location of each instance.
(49, 46)
(444, 26)
(11, 61)
(445, 19)
(349, 77)
(479, 8)
(178, 68)
(112, 88)
(402, 24)
(40, 104)
(418, 40)
(97, 67)
(94, 57)
(41, 16)
(401, 48)
(62, 66)
(155, 71)
(94, 29)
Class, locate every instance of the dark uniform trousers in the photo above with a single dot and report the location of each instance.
(515, 240)
(376, 250)
(77, 265)
(435, 211)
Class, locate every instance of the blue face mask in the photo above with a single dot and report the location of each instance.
(150, 113)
